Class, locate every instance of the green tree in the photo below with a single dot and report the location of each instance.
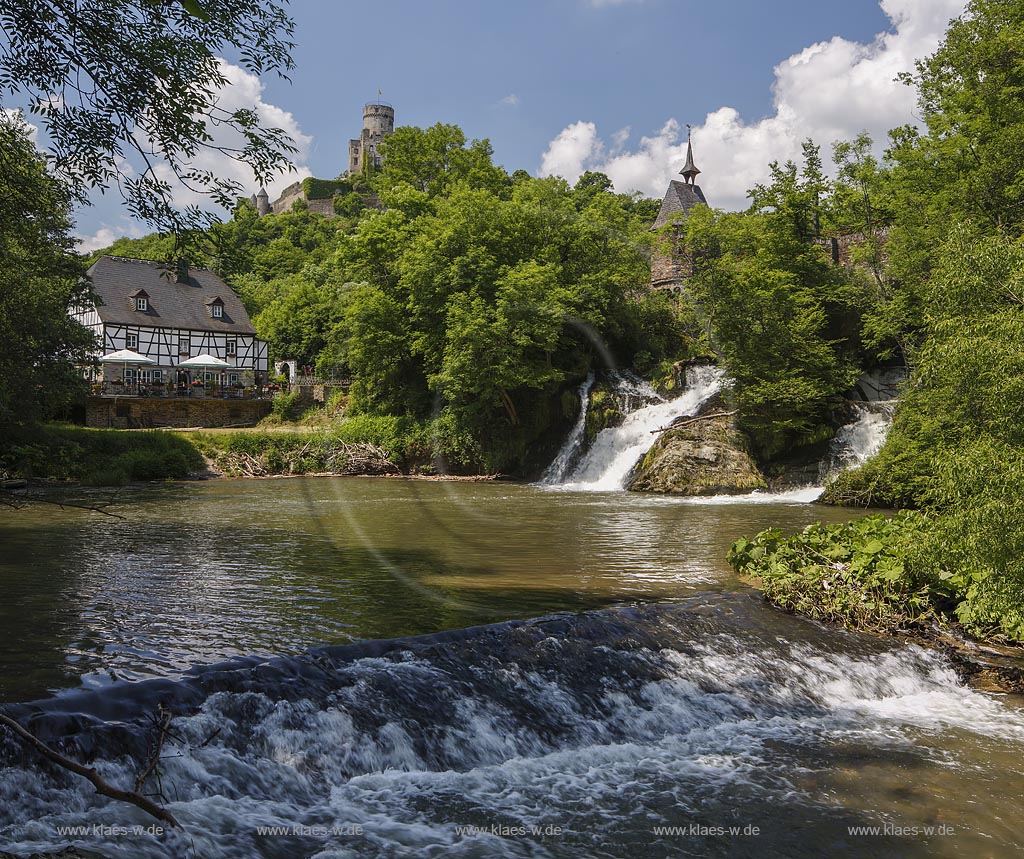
(436, 158)
(783, 320)
(40, 280)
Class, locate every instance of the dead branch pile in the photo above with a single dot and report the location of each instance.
(316, 456)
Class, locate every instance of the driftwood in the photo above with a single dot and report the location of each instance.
(677, 423)
(340, 458)
(102, 786)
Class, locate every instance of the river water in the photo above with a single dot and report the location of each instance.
(611, 677)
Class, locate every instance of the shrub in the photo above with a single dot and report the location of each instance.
(856, 573)
(287, 406)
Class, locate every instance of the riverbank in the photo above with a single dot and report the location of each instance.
(864, 575)
(110, 457)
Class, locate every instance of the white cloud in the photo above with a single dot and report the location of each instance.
(600, 4)
(575, 146)
(511, 100)
(107, 235)
(619, 139)
(829, 91)
(243, 90)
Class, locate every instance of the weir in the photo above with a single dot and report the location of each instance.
(596, 723)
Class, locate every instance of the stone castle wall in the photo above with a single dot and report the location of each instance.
(841, 248)
(378, 123)
(287, 199)
(668, 271)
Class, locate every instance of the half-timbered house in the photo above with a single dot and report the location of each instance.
(170, 314)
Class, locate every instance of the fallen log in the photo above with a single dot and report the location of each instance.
(678, 422)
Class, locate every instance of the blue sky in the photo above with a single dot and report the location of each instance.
(624, 64)
(567, 85)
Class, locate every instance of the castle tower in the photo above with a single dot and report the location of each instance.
(672, 270)
(263, 202)
(378, 123)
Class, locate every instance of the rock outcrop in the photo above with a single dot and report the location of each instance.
(702, 456)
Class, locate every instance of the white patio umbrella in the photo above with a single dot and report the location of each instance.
(125, 357)
(204, 362)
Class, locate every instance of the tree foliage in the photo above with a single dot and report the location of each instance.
(783, 319)
(119, 79)
(40, 280)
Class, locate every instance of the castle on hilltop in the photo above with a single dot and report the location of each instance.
(363, 157)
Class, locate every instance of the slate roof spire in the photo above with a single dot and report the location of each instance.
(689, 171)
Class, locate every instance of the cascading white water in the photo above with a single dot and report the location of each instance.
(859, 440)
(556, 472)
(597, 723)
(616, 450)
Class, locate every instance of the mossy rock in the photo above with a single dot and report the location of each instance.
(603, 411)
(706, 457)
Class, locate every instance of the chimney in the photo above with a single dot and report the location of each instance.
(182, 271)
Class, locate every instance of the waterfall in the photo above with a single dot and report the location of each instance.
(556, 472)
(615, 451)
(859, 440)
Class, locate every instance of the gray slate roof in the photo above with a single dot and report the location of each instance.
(680, 197)
(171, 304)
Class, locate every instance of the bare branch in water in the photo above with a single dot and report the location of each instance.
(102, 786)
(19, 502)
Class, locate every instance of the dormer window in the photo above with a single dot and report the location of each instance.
(139, 299)
(215, 306)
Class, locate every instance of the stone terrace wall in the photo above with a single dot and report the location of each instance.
(140, 413)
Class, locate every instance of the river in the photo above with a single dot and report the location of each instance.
(604, 675)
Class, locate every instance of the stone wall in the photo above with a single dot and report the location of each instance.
(287, 199)
(667, 272)
(284, 203)
(145, 413)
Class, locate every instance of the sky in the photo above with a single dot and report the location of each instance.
(561, 86)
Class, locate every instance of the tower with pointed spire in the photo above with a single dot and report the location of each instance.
(689, 171)
(671, 269)
(263, 202)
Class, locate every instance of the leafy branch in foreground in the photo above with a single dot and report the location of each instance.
(116, 80)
